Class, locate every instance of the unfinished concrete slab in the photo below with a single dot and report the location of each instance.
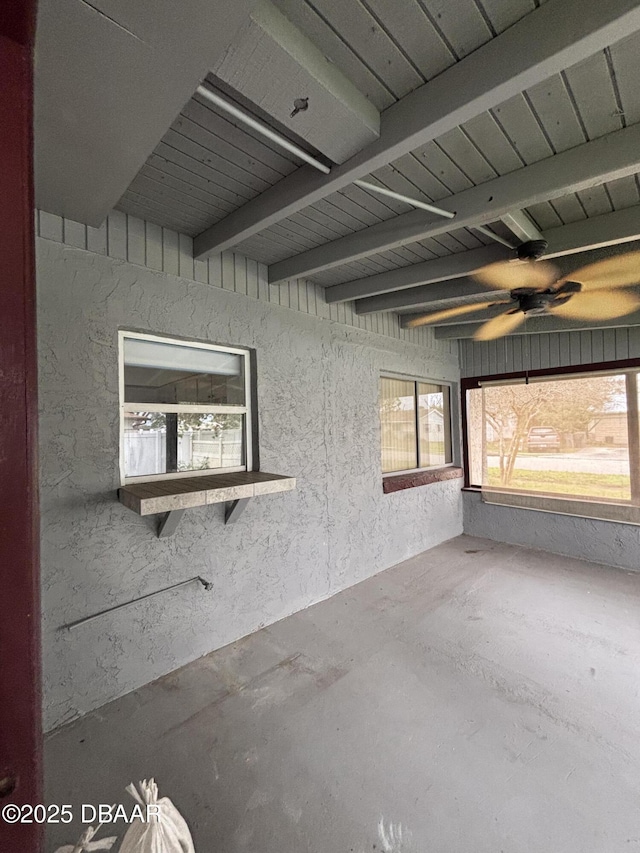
(478, 697)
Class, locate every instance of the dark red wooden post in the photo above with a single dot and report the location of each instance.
(20, 712)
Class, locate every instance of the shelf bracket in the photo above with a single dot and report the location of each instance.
(169, 523)
(170, 520)
(234, 509)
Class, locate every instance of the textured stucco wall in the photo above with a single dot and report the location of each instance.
(607, 542)
(317, 391)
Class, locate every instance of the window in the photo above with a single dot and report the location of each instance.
(185, 408)
(573, 437)
(415, 423)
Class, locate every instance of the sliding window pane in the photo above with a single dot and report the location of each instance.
(145, 443)
(157, 443)
(398, 425)
(210, 442)
(434, 420)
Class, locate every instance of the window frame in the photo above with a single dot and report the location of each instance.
(420, 380)
(247, 410)
(577, 371)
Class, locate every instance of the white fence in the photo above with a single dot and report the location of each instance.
(145, 451)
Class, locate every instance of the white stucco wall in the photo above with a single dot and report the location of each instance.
(317, 394)
(608, 542)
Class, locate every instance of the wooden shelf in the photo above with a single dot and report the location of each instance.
(185, 492)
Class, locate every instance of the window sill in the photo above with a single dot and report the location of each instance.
(186, 492)
(622, 513)
(399, 482)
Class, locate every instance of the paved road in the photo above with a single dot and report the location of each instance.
(591, 460)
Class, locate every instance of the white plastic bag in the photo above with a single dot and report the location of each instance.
(85, 843)
(168, 833)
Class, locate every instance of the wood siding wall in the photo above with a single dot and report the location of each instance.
(558, 349)
(131, 239)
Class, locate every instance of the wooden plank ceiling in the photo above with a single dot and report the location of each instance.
(207, 165)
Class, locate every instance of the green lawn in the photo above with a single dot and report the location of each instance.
(432, 449)
(611, 486)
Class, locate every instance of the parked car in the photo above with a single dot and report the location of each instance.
(543, 438)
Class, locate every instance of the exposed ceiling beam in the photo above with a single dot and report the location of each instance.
(548, 40)
(522, 226)
(443, 294)
(540, 325)
(110, 77)
(421, 299)
(393, 283)
(609, 229)
(614, 156)
(271, 63)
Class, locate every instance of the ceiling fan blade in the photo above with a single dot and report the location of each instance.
(598, 305)
(500, 326)
(446, 313)
(623, 271)
(509, 275)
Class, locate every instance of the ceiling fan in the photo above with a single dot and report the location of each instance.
(594, 292)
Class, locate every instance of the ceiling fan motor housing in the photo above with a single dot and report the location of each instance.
(532, 301)
(536, 302)
(532, 250)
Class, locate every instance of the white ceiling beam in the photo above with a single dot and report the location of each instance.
(548, 40)
(538, 325)
(607, 158)
(609, 229)
(274, 65)
(428, 298)
(110, 78)
(522, 226)
(391, 282)
(417, 298)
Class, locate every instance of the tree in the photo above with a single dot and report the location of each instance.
(510, 409)
(566, 405)
(188, 422)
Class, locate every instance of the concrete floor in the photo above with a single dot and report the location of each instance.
(479, 697)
